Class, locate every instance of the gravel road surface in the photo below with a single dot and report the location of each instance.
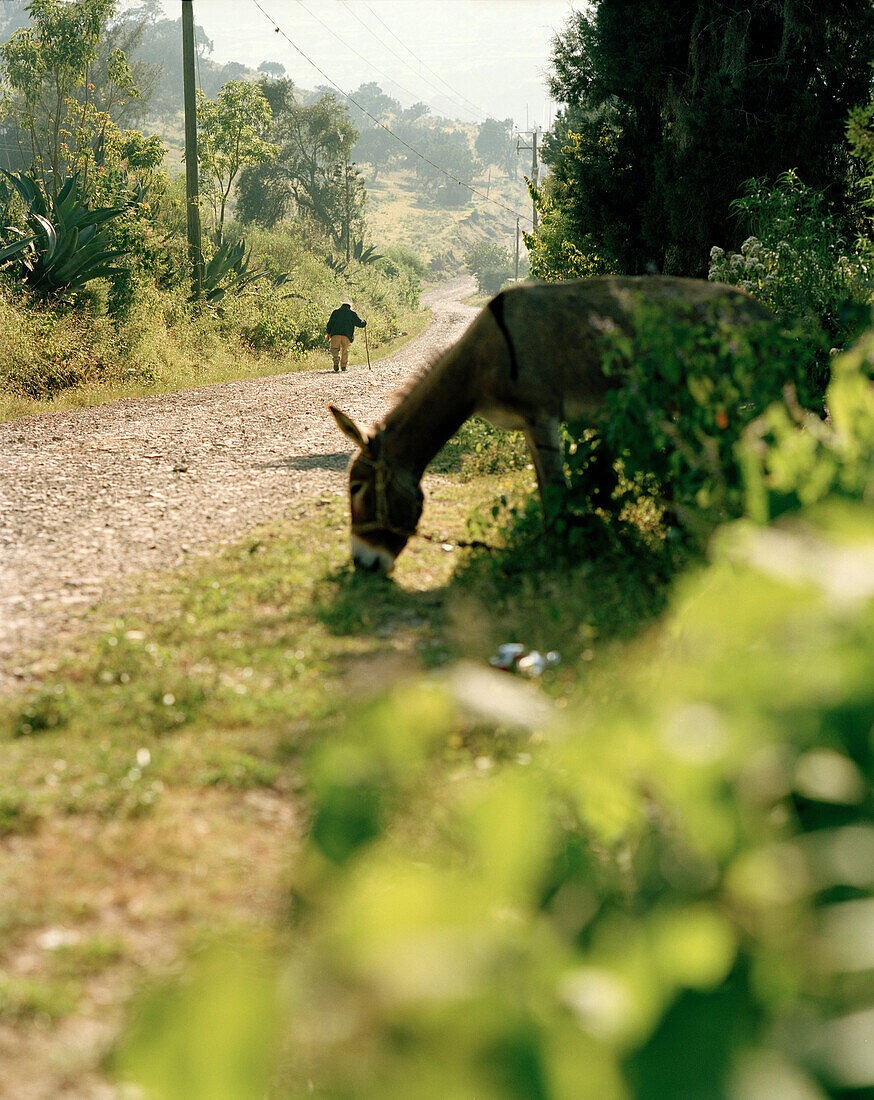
(93, 497)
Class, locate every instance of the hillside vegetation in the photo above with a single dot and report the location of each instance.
(89, 319)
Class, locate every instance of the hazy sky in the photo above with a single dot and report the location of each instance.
(466, 58)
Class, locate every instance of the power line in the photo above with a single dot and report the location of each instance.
(402, 60)
(352, 49)
(424, 64)
(382, 125)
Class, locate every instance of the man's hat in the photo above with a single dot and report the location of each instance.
(347, 302)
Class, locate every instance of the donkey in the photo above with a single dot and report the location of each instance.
(531, 359)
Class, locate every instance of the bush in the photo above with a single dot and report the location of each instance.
(798, 263)
(44, 349)
(792, 459)
(406, 257)
(408, 269)
(691, 380)
(490, 264)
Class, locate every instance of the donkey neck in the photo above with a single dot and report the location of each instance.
(433, 411)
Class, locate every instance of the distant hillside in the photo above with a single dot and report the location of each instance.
(399, 213)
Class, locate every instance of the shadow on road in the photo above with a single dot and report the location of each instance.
(337, 460)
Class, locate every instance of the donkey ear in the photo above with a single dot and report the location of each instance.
(348, 427)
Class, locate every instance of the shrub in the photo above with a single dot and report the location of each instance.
(792, 459)
(407, 258)
(44, 349)
(691, 380)
(798, 263)
(490, 264)
(408, 269)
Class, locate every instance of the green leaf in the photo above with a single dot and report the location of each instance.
(51, 236)
(10, 250)
(172, 1051)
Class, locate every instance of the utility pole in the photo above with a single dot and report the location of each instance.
(192, 192)
(517, 251)
(534, 165)
(348, 215)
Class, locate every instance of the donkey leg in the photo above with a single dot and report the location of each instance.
(543, 436)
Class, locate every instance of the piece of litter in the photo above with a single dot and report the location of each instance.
(532, 665)
(507, 655)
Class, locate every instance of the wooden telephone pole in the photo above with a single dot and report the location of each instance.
(191, 182)
(534, 165)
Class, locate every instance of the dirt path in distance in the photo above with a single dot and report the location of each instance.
(92, 497)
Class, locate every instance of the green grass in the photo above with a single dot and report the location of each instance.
(152, 769)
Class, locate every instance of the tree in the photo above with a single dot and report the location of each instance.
(671, 107)
(377, 148)
(493, 140)
(123, 32)
(272, 69)
(160, 46)
(315, 157)
(375, 102)
(263, 194)
(312, 175)
(416, 113)
(48, 69)
(233, 130)
(451, 150)
(233, 70)
(490, 264)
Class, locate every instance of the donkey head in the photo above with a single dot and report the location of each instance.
(385, 500)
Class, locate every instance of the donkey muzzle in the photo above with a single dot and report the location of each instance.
(371, 559)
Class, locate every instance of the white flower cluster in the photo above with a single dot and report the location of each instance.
(749, 269)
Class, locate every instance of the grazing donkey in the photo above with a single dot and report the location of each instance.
(531, 359)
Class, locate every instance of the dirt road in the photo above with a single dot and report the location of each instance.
(93, 497)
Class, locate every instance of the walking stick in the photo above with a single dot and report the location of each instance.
(366, 348)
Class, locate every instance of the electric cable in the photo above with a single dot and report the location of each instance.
(366, 60)
(424, 64)
(388, 130)
(456, 96)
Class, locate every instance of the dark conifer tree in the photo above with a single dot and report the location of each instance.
(675, 103)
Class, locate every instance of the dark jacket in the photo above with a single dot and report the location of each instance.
(344, 322)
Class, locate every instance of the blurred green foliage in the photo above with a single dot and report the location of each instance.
(663, 890)
(793, 458)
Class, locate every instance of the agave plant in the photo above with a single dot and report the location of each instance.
(357, 252)
(66, 248)
(364, 255)
(230, 270)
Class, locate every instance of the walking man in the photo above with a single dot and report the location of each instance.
(341, 328)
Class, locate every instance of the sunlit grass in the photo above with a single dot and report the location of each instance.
(152, 784)
(221, 365)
